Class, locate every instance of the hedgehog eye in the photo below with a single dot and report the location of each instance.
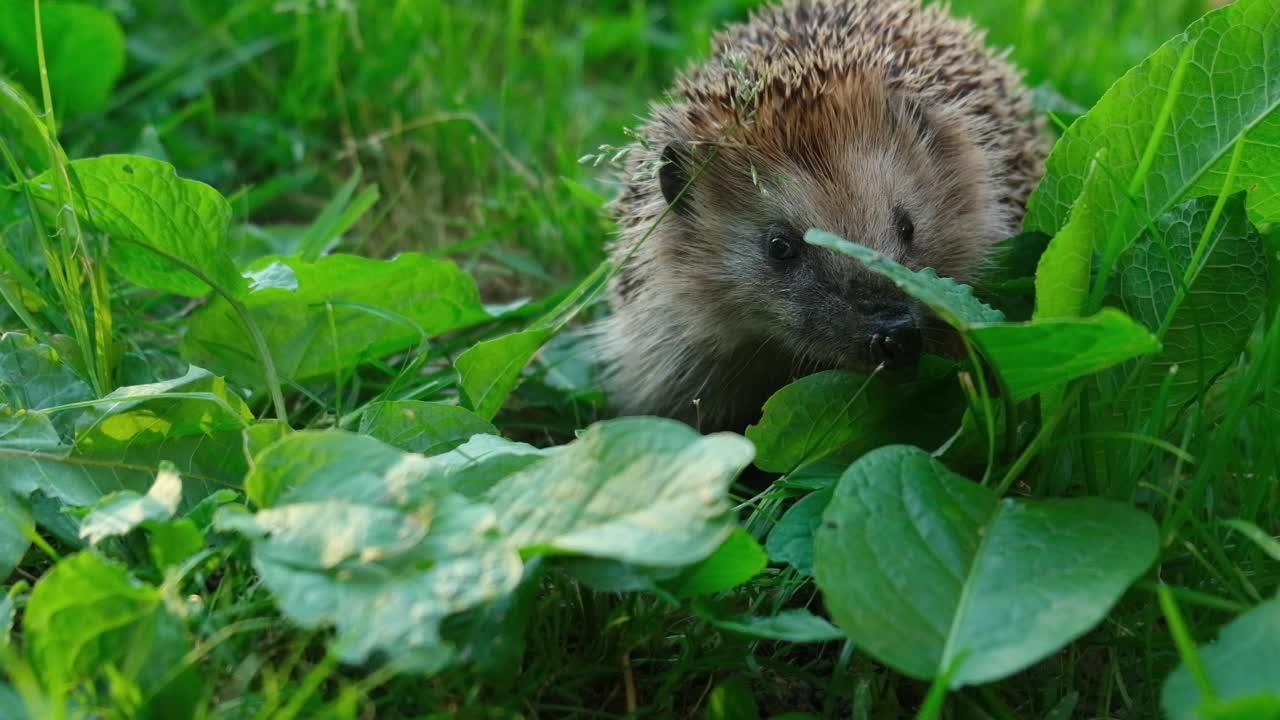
(782, 243)
(906, 228)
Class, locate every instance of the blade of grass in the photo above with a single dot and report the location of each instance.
(1186, 644)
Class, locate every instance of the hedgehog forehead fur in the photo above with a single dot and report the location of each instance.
(882, 121)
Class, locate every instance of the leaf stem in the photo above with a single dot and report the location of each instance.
(264, 352)
(1042, 436)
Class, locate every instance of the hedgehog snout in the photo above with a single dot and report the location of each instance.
(896, 341)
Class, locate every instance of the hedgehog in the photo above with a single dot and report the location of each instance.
(886, 122)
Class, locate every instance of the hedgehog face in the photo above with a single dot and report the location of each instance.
(881, 171)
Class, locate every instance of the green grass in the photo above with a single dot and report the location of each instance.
(455, 130)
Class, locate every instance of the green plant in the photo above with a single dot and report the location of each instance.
(268, 469)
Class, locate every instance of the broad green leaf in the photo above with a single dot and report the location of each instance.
(32, 457)
(1261, 706)
(738, 559)
(11, 705)
(793, 625)
(925, 569)
(791, 540)
(24, 133)
(1256, 172)
(262, 433)
(1243, 666)
(1213, 324)
(408, 554)
(1034, 355)
(490, 370)
(15, 522)
(201, 403)
(952, 301)
(571, 362)
(731, 700)
(1184, 108)
(821, 474)
(120, 512)
(201, 432)
(86, 618)
(1063, 273)
(79, 614)
(122, 444)
(314, 465)
(475, 466)
(422, 427)
(172, 543)
(647, 491)
(33, 376)
(159, 222)
(84, 51)
(346, 310)
(84, 613)
(838, 409)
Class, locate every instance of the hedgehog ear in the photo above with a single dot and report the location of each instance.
(674, 175)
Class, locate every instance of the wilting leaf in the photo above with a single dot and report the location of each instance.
(353, 533)
(120, 512)
(647, 491)
(925, 569)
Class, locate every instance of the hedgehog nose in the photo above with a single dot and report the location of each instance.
(897, 343)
